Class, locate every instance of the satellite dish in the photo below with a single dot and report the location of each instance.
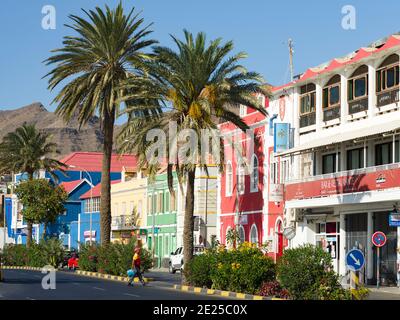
(289, 233)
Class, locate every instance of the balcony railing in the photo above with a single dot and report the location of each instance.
(358, 105)
(307, 120)
(351, 181)
(387, 97)
(123, 223)
(332, 113)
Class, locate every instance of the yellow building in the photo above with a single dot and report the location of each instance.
(129, 206)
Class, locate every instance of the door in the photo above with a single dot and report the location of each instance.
(279, 231)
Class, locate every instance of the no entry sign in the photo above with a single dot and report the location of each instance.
(379, 239)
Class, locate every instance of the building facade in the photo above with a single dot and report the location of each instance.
(345, 181)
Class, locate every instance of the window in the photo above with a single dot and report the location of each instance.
(273, 169)
(254, 175)
(167, 201)
(149, 208)
(254, 234)
(160, 202)
(307, 99)
(123, 208)
(331, 93)
(241, 178)
(357, 85)
(173, 201)
(284, 172)
(384, 153)
(243, 110)
(387, 76)
(229, 179)
(355, 159)
(242, 234)
(329, 163)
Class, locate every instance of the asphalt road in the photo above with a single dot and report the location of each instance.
(27, 285)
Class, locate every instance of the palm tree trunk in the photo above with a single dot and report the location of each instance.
(188, 223)
(29, 223)
(29, 234)
(105, 198)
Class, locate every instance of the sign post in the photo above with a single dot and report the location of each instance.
(355, 261)
(394, 221)
(379, 240)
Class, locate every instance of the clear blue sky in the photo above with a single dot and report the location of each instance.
(259, 27)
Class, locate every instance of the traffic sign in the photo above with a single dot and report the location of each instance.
(355, 259)
(379, 239)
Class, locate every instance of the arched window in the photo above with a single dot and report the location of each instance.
(254, 234)
(254, 175)
(387, 75)
(229, 179)
(242, 234)
(241, 178)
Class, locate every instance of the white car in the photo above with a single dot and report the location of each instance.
(176, 258)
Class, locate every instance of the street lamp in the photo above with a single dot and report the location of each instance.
(91, 198)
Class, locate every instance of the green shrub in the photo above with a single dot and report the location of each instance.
(113, 258)
(307, 273)
(47, 252)
(15, 255)
(198, 270)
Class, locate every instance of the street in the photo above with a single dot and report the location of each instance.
(26, 285)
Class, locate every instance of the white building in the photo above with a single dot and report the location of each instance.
(345, 162)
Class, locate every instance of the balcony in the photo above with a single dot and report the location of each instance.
(358, 105)
(332, 113)
(307, 120)
(387, 97)
(344, 182)
(123, 223)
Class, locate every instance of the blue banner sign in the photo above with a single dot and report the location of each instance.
(281, 137)
(394, 219)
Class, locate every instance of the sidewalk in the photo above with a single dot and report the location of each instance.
(384, 293)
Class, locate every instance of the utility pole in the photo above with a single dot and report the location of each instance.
(291, 51)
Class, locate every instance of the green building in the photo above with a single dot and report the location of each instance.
(162, 219)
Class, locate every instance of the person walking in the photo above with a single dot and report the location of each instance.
(136, 267)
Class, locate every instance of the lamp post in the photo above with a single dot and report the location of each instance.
(91, 199)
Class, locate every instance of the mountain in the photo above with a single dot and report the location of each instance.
(68, 136)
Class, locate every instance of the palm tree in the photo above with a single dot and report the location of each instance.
(28, 150)
(198, 86)
(106, 51)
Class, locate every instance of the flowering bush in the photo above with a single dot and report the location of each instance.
(241, 270)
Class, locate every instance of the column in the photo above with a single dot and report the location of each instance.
(365, 154)
(342, 234)
(318, 107)
(371, 91)
(343, 155)
(370, 256)
(394, 148)
(344, 105)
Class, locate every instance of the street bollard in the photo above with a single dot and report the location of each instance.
(354, 280)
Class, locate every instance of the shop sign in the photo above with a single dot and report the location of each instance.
(281, 137)
(394, 219)
(289, 233)
(276, 192)
(363, 182)
(86, 234)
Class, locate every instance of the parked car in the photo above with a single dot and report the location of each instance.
(176, 258)
(73, 262)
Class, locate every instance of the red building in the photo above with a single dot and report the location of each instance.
(245, 183)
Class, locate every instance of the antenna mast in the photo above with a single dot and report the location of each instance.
(290, 43)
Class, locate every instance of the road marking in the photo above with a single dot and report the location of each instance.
(132, 295)
(76, 283)
(97, 288)
(30, 298)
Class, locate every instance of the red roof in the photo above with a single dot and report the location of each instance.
(71, 185)
(96, 191)
(360, 54)
(91, 161)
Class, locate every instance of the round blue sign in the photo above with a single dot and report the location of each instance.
(355, 259)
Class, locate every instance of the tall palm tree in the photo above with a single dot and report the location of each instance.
(198, 85)
(28, 150)
(106, 51)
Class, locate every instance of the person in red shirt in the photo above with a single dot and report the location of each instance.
(136, 267)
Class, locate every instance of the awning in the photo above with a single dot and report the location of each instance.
(367, 131)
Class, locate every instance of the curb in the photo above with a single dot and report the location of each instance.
(243, 296)
(22, 268)
(109, 276)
